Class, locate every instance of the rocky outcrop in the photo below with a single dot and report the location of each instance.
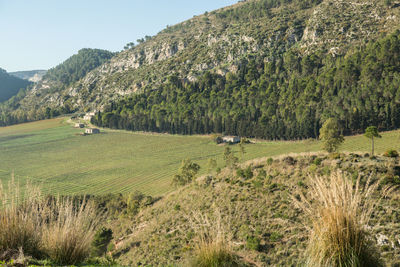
(335, 24)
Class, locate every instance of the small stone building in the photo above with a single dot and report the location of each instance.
(79, 125)
(89, 116)
(92, 131)
(231, 139)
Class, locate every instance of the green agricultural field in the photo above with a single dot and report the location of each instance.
(52, 154)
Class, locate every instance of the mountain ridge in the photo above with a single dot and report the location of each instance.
(10, 85)
(220, 42)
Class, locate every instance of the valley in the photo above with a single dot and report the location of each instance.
(53, 155)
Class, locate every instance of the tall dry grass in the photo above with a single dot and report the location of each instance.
(60, 229)
(20, 220)
(340, 212)
(68, 235)
(213, 247)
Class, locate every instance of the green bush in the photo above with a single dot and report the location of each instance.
(245, 173)
(187, 172)
(101, 240)
(390, 180)
(248, 173)
(240, 172)
(258, 184)
(275, 236)
(253, 243)
(391, 153)
(262, 174)
(317, 161)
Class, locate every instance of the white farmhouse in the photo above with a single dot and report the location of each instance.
(231, 139)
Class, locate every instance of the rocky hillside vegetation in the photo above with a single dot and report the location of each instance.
(252, 207)
(30, 75)
(265, 212)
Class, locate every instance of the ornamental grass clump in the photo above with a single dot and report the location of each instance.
(20, 220)
(69, 233)
(340, 212)
(56, 228)
(213, 247)
(213, 254)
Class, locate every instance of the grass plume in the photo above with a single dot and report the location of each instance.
(213, 247)
(68, 236)
(20, 220)
(340, 212)
(59, 228)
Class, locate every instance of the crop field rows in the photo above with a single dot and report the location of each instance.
(53, 155)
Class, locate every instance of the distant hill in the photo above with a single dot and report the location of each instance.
(78, 65)
(32, 104)
(10, 85)
(30, 75)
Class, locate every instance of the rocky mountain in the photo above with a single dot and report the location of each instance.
(10, 85)
(30, 75)
(223, 42)
(218, 40)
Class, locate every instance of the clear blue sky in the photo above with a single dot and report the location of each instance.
(39, 34)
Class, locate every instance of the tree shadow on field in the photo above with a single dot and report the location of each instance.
(14, 137)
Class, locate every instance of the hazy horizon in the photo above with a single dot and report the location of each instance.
(44, 33)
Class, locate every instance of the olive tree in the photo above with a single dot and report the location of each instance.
(330, 135)
(187, 172)
(230, 158)
(372, 132)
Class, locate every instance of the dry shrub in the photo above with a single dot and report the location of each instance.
(59, 228)
(68, 235)
(213, 247)
(213, 254)
(340, 213)
(20, 220)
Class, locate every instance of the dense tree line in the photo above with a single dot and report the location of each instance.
(286, 98)
(10, 85)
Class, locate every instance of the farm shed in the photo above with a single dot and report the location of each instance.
(92, 131)
(89, 116)
(79, 125)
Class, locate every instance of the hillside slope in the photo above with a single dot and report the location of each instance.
(10, 85)
(255, 213)
(271, 64)
(220, 40)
